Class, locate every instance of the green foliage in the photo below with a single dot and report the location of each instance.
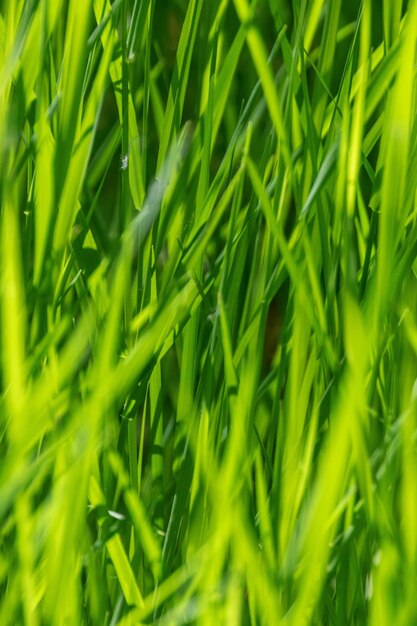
(208, 312)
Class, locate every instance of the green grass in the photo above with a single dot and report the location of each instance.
(208, 312)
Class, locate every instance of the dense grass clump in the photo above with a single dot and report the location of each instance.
(208, 312)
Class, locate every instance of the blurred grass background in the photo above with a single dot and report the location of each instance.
(208, 312)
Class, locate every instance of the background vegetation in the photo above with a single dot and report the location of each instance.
(208, 312)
